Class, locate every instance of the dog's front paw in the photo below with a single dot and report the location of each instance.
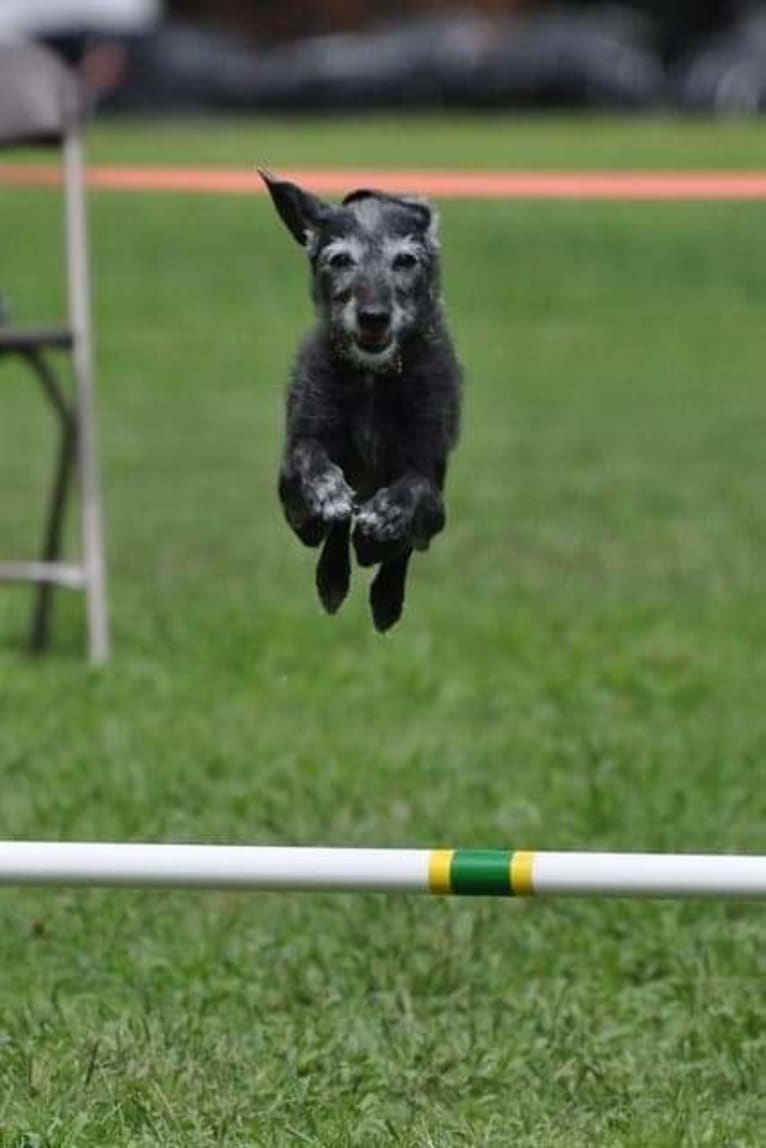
(381, 529)
(328, 495)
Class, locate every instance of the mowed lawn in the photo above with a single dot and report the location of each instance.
(582, 664)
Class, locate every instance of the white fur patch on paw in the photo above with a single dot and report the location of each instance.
(329, 496)
(383, 519)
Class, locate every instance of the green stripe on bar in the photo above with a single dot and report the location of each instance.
(481, 871)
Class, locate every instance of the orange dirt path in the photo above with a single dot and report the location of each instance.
(530, 185)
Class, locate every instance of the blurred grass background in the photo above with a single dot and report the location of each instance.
(581, 664)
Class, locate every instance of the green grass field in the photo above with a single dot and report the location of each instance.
(582, 664)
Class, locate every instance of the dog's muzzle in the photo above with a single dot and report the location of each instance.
(374, 328)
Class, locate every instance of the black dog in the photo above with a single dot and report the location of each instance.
(374, 404)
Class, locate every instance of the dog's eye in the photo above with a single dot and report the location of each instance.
(404, 261)
(340, 260)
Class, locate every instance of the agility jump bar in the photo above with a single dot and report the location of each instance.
(468, 872)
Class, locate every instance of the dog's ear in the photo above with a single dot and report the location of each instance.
(427, 216)
(301, 212)
(424, 214)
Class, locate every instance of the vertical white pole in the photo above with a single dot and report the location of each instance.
(80, 320)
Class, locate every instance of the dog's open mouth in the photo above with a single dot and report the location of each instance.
(374, 344)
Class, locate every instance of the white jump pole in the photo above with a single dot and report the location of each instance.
(443, 871)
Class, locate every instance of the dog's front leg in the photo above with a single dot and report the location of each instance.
(399, 518)
(313, 491)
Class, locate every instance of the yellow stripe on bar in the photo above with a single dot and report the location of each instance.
(522, 864)
(439, 871)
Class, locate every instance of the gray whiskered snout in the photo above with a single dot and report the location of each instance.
(374, 326)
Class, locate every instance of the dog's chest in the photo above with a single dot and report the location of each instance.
(370, 425)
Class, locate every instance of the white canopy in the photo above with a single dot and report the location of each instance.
(41, 17)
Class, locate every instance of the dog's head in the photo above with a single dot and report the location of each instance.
(375, 266)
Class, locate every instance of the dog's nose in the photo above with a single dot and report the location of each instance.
(374, 319)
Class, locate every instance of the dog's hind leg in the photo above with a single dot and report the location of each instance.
(387, 592)
(333, 573)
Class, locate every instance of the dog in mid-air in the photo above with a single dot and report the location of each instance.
(374, 403)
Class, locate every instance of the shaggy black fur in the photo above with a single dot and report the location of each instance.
(367, 446)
